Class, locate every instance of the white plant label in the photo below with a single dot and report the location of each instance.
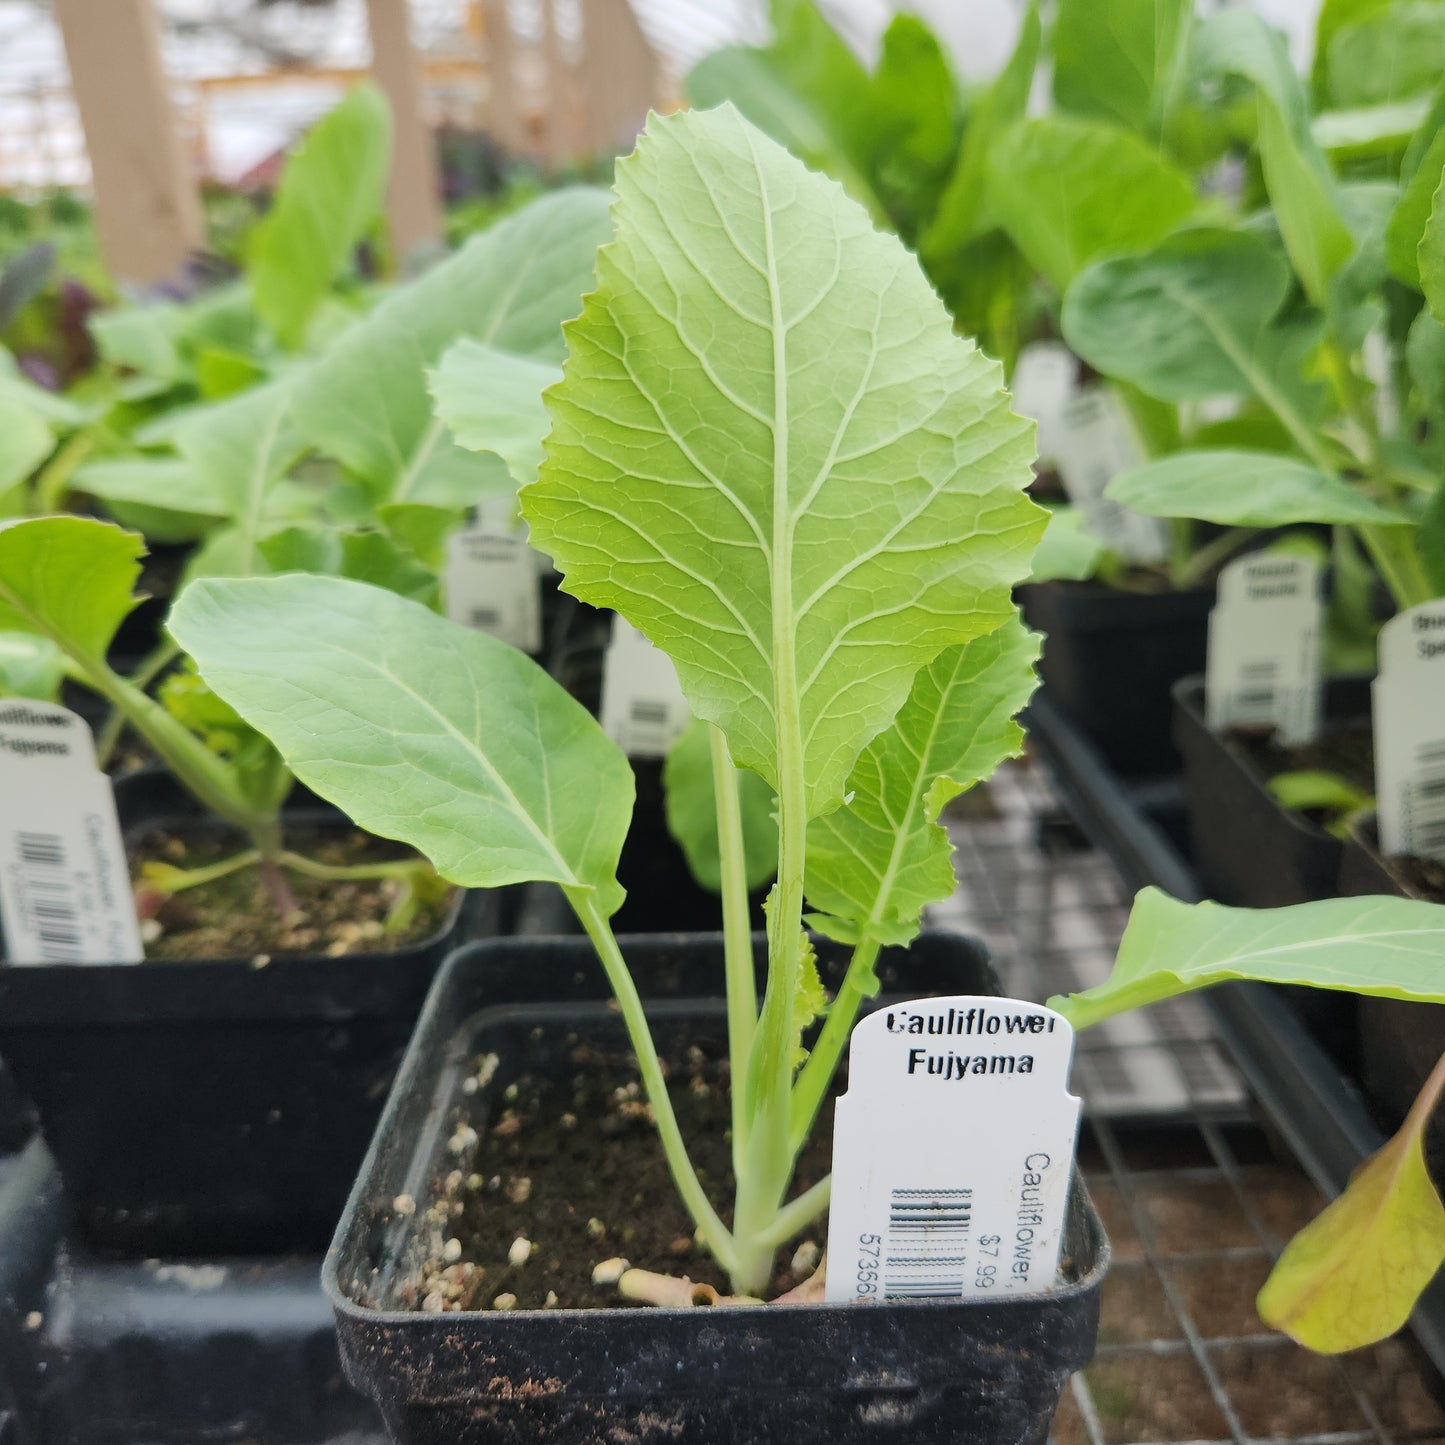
(64, 887)
(1098, 443)
(1409, 706)
(492, 577)
(643, 709)
(1264, 648)
(953, 1151)
(1044, 381)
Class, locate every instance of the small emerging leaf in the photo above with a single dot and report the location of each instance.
(1352, 1276)
(30, 666)
(1066, 551)
(692, 812)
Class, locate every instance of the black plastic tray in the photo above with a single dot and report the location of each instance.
(1321, 1113)
(212, 1106)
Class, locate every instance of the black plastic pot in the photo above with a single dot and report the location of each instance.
(1249, 850)
(1110, 659)
(1253, 853)
(1400, 1042)
(917, 1371)
(213, 1107)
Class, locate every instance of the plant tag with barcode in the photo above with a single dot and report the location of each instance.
(1409, 706)
(1097, 444)
(1044, 381)
(491, 578)
(1264, 648)
(953, 1152)
(64, 887)
(643, 709)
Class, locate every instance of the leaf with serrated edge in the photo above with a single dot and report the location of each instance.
(366, 402)
(771, 454)
(418, 728)
(1388, 947)
(1430, 254)
(69, 578)
(1245, 489)
(875, 862)
(491, 401)
(691, 808)
(1352, 1276)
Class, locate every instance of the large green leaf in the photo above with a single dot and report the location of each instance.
(239, 450)
(30, 666)
(1352, 1276)
(1238, 42)
(1183, 321)
(491, 401)
(330, 195)
(805, 88)
(1371, 130)
(874, 863)
(1408, 220)
(152, 481)
(1114, 59)
(1387, 947)
(366, 402)
(771, 454)
(1071, 191)
(1066, 551)
(141, 339)
(418, 728)
(915, 122)
(961, 213)
(69, 578)
(691, 807)
(1431, 254)
(1391, 54)
(1245, 489)
(1334, 15)
(26, 439)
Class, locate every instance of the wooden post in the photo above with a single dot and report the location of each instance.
(504, 99)
(561, 91)
(621, 76)
(413, 191)
(147, 209)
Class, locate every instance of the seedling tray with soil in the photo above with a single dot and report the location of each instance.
(438, 1333)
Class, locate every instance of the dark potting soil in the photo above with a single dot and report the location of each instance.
(574, 1168)
(234, 917)
(1347, 750)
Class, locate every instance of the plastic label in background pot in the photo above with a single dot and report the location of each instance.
(1098, 443)
(491, 577)
(1044, 381)
(643, 709)
(953, 1151)
(65, 892)
(1409, 705)
(1264, 648)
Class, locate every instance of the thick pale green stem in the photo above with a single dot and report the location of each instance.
(798, 1214)
(1212, 554)
(742, 988)
(714, 1232)
(151, 666)
(166, 879)
(54, 479)
(1392, 550)
(859, 983)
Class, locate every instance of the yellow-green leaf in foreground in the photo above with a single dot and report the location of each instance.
(1389, 947)
(418, 728)
(771, 453)
(1352, 1276)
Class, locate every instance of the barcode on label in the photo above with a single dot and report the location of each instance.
(48, 896)
(1426, 801)
(484, 617)
(644, 711)
(927, 1243)
(1258, 693)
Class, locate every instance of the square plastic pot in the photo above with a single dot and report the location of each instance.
(917, 1371)
(209, 1106)
(1400, 1042)
(1110, 659)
